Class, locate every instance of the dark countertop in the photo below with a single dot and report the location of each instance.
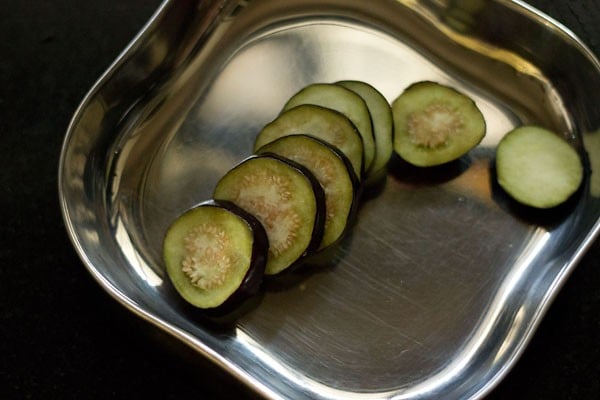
(62, 336)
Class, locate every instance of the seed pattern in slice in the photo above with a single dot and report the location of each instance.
(208, 259)
(286, 198)
(333, 171)
(435, 124)
(215, 255)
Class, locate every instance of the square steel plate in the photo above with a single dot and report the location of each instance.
(442, 280)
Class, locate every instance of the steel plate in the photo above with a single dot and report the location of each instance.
(442, 280)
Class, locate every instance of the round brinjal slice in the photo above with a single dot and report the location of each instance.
(435, 124)
(286, 198)
(215, 255)
(334, 172)
(537, 167)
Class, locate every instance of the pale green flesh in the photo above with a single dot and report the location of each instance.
(537, 167)
(344, 101)
(239, 248)
(331, 172)
(467, 121)
(323, 123)
(281, 198)
(381, 117)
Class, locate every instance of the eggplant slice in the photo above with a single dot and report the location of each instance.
(537, 167)
(333, 171)
(215, 255)
(286, 198)
(435, 124)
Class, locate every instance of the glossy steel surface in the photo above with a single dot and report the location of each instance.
(442, 280)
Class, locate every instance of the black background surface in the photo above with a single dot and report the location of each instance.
(62, 336)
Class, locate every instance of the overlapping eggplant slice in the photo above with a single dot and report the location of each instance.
(345, 101)
(286, 198)
(381, 118)
(215, 255)
(335, 174)
(324, 123)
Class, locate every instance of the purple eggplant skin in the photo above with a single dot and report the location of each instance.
(253, 279)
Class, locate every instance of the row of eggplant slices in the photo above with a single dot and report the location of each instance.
(297, 194)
